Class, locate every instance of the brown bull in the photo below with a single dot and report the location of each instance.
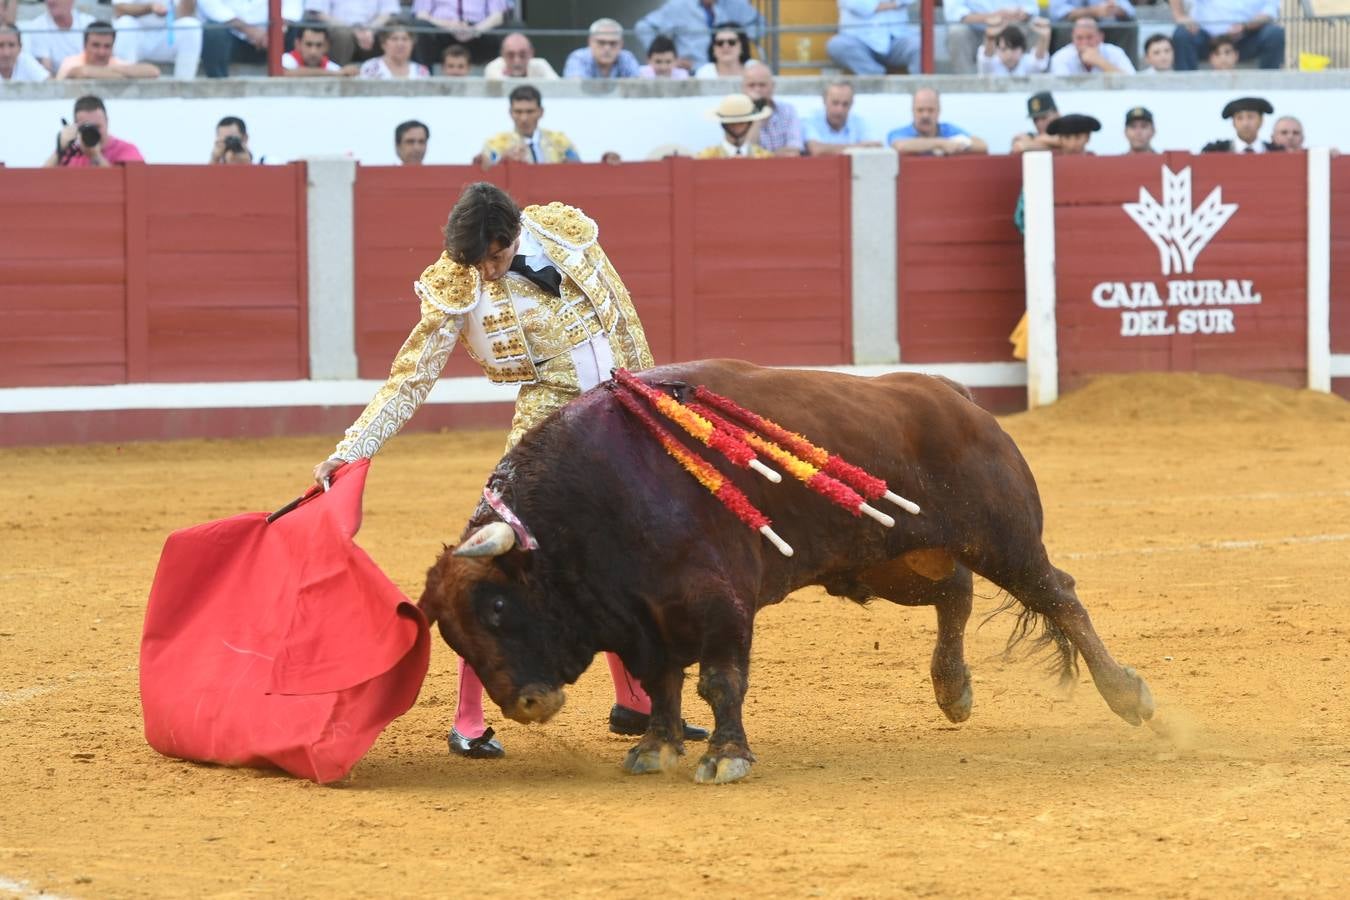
(636, 557)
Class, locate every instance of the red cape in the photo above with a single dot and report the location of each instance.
(279, 644)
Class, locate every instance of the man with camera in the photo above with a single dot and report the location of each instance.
(231, 146)
(87, 142)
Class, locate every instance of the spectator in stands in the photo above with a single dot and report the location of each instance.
(245, 40)
(15, 63)
(736, 114)
(86, 142)
(395, 60)
(781, 132)
(728, 53)
(875, 36)
(57, 33)
(661, 61)
(310, 58)
(1139, 130)
(834, 128)
(1247, 114)
(518, 61)
(460, 22)
(231, 138)
(1004, 51)
(410, 142)
(1223, 54)
(1088, 53)
(1042, 111)
(1287, 133)
(967, 19)
(97, 62)
(1251, 23)
(689, 24)
(143, 34)
(455, 61)
(927, 135)
(353, 25)
(1108, 13)
(603, 56)
(527, 142)
(1159, 54)
(1074, 131)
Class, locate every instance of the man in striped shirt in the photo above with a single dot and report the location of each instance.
(781, 132)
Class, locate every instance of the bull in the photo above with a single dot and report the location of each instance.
(634, 556)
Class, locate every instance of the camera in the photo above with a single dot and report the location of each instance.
(234, 145)
(89, 135)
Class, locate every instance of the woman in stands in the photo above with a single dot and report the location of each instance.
(728, 53)
(395, 61)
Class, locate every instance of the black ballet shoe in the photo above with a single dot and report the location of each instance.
(485, 746)
(623, 720)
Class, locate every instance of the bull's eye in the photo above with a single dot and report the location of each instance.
(494, 618)
(498, 605)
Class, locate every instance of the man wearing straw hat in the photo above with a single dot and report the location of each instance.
(535, 301)
(736, 114)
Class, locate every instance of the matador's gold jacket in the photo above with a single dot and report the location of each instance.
(518, 332)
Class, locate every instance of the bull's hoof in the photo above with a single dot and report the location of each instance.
(959, 710)
(721, 770)
(651, 760)
(1146, 705)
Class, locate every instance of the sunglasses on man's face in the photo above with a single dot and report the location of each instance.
(727, 42)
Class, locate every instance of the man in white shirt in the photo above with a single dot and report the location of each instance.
(57, 33)
(518, 61)
(245, 40)
(15, 63)
(143, 34)
(1088, 53)
(1250, 23)
(875, 34)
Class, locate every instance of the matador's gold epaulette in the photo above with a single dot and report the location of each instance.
(449, 286)
(565, 224)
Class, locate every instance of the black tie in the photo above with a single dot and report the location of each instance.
(546, 278)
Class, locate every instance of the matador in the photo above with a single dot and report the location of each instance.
(535, 301)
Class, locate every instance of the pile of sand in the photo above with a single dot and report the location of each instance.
(1162, 397)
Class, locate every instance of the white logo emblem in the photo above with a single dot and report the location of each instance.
(1178, 231)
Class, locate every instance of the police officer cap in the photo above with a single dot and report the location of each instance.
(1248, 104)
(1040, 103)
(1073, 123)
(1139, 114)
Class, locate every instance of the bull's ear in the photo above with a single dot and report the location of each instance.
(493, 539)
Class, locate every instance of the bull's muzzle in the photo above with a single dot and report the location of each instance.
(536, 703)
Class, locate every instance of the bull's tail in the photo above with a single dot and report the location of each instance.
(1040, 635)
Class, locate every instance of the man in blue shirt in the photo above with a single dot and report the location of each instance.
(689, 24)
(1250, 23)
(834, 128)
(927, 136)
(603, 56)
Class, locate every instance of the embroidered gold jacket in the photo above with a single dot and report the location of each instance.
(508, 326)
(555, 146)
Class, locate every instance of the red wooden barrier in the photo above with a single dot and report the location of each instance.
(1241, 310)
(962, 280)
(1340, 254)
(722, 258)
(152, 273)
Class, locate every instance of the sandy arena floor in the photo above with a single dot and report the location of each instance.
(1208, 525)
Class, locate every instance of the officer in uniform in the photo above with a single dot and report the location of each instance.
(1247, 114)
(1139, 130)
(1042, 111)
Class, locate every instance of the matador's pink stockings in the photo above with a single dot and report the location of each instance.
(469, 715)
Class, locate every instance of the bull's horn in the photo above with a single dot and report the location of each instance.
(493, 539)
